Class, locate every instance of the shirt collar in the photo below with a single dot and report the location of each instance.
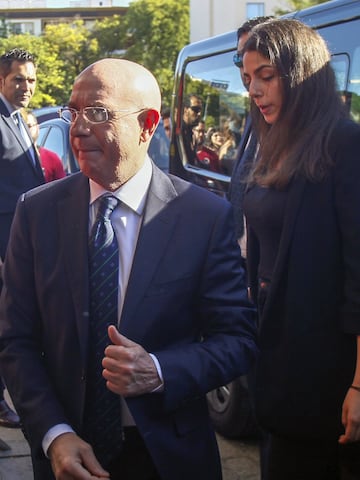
(132, 193)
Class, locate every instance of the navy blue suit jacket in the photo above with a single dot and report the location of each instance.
(186, 302)
(17, 172)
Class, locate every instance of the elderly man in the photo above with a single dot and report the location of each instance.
(124, 300)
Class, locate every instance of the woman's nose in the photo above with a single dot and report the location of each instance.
(254, 88)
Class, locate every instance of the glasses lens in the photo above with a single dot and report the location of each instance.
(238, 60)
(96, 114)
(196, 109)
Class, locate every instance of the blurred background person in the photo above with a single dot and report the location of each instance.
(199, 134)
(228, 149)
(51, 163)
(20, 168)
(208, 154)
(166, 119)
(193, 106)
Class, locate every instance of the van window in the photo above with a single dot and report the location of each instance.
(206, 69)
(343, 42)
(225, 106)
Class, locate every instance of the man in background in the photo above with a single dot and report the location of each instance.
(247, 147)
(191, 117)
(166, 118)
(20, 168)
(50, 161)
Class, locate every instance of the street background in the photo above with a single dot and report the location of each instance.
(240, 460)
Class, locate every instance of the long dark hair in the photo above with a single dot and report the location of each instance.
(297, 143)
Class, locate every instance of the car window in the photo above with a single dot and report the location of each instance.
(343, 42)
(225, 106)
(53, 140)
(159, 148)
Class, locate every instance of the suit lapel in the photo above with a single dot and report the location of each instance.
(73, 218)
(8, 120)
(156, 232)
(293, 204)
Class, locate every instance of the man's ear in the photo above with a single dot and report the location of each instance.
(151, 119)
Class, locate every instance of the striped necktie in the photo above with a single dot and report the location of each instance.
(102, 420)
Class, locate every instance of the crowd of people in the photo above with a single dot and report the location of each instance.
(213, 147)
(126, 297)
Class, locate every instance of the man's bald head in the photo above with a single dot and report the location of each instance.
(127, 79)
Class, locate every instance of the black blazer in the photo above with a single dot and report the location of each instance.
(17, 172)
(312, 312)
(186, 302)
(244, 160)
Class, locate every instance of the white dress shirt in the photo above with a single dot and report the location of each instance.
(126, 220)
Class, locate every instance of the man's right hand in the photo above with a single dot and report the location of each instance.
(73, 459)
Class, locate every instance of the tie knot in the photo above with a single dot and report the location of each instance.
(17, 118)
(107, 205)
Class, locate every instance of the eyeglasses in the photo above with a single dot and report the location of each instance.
(196, 109)
(238, 60)
(91, 114)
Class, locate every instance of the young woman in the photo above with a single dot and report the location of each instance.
(302, 208)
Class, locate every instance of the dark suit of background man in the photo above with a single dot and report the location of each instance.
(19, 164)
(192, 112)
(184, 325)
(248, 143)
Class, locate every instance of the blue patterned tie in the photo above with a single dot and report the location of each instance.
(102, 419)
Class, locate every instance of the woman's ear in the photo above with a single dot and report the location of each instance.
(151, 119)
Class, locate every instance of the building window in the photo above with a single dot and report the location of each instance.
(24, 27)
(255, 10)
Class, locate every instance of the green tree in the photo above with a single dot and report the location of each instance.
(298, 5)
(109, 33)
(155, 32)
(73, 46)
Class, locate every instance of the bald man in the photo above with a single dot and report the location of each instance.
(183, 324)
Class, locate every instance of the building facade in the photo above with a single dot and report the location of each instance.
(213, 17)
(32, 16)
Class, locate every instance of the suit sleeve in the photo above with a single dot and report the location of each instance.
(226, 346)
(21, 351)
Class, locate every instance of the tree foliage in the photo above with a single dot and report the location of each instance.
(151, 33)
(110, 33)
(50, 68)
(299, 5)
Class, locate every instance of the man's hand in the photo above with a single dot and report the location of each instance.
(128, 368)
(73, 459)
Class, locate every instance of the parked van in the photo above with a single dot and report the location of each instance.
(206, 69)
